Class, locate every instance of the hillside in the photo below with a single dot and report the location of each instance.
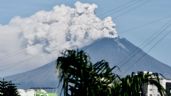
(117, 51)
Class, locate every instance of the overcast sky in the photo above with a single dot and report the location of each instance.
(143, 22)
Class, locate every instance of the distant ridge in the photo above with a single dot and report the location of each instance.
(42, 77)
(117, 51)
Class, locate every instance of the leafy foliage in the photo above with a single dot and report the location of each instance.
(80, 77)
(7, 88)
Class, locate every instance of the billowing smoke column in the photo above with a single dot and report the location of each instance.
(63, 28)
(28, 43)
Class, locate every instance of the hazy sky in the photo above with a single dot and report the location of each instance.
(146, 21)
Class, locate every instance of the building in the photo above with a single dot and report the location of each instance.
(151, 90)
(35, 92)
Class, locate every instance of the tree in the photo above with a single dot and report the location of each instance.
(82, 78)
(7, 88)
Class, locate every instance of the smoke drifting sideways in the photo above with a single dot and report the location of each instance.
(50, 32)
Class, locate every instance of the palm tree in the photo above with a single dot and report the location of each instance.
(82, 78)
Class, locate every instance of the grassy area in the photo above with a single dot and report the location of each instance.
(48, 94)
(44, 93)
(52, 94)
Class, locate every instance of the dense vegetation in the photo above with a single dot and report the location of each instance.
(80, 77)
(7, 88)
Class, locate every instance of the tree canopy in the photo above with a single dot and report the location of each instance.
(7, 88)
(80, 77)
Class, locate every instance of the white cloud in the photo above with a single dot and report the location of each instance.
(49, 32)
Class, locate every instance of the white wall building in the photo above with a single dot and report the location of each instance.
(153, 91)
(32, 92)
(28, 92)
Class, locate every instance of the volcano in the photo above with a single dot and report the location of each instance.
(117, 51)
